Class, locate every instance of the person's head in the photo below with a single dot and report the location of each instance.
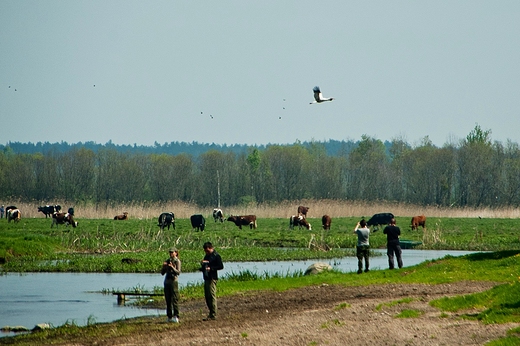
(208, 247)
(392, 221)
(174, 251)
(363, 223)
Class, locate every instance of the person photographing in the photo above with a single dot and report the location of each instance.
(172, 268)
(363, 245)
(211, 263)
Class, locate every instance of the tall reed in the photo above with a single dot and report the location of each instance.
(334, 208)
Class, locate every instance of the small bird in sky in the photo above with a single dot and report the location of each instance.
(318, 97)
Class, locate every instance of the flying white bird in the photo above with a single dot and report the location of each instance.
(318, 97)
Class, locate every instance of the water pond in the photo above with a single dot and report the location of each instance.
(59, 298)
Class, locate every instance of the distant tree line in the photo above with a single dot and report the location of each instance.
(475, 172)
(332, 147)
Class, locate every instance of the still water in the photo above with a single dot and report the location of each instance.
(59, 298)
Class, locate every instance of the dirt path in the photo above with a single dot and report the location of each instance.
(311, 316)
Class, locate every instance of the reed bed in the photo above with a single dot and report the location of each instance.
(334, 208)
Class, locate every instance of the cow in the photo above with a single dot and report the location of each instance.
(380, 219)
(9, 208)
(325, 222)
(166, 220)
(70, 211)
(244, 220)
(14, 214)
(198, 222)
(300, 221)
(417, 221)
(48, 210)
(218, 215)
(63, 219)
(303, 211)
(124, 216)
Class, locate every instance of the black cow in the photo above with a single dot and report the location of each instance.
(9, 208)
(166, 220)
(48, 210)
(218, 215)
(380, 219)
(198, 222)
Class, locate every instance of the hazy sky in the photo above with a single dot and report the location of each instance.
(243, 71)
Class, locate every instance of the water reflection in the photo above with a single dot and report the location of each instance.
(59, 298)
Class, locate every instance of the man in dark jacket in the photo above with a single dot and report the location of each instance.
(211, 263)
(392, 244)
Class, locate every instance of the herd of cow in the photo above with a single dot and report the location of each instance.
(12, 213)
(198, 222)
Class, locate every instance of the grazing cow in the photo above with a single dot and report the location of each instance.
(300, 221)
(63, 219)
(198, 221)
(244, 220)
(14, 214)
(218, 215)
(166, 220)
(303, 211)
(380, 219)
(48, 210)
(9, 208)
(121, 217)
(325, 222)
(418, 221)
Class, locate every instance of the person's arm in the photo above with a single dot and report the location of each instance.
(164, 268)
(217, 264)
(356, 228)
(176, 268)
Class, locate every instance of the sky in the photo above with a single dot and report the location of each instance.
(242, 72)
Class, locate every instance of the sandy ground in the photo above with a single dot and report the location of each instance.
(316, 316)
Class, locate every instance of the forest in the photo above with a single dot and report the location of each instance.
(476, 172)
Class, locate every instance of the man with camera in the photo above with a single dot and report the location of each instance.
(211, 263)
(172, 268)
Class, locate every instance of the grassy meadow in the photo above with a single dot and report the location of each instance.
(99, 243)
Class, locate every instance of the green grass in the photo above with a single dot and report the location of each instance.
(98, 245)
(500, 304)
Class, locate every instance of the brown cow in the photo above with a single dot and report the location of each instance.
(63, 218)
(244, 220)
(300, 221)
(303, 211)
(121, 217)
(325, 221)
(14, 214)
(418, 221)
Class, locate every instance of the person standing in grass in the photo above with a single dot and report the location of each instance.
(172, 268)
(2, 211)
(363, 245)
(211, 263)
(392, 244)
